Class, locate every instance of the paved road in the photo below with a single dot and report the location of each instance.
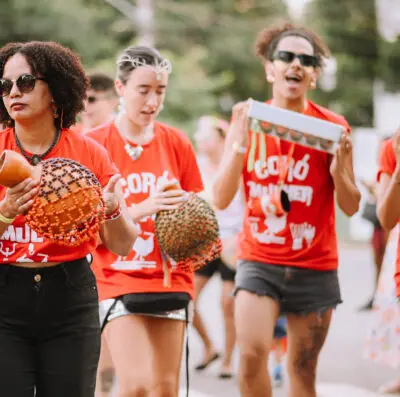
(342, 370)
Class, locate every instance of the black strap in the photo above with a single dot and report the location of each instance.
(187, 350)
(108, 315)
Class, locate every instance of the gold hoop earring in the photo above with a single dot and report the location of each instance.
(313, 85)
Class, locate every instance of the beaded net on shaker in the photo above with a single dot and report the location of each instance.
(189, 234)
(69, 207)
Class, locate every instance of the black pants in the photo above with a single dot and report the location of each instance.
(49, 331)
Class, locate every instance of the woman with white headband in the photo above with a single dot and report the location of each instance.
(144, 316)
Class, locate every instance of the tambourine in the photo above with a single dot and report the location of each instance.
(294, 127)
(69, 206)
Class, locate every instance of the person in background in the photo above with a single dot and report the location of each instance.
(210, 138)
(388, 210)
(380, 236)
(279, 348)
(100, 104)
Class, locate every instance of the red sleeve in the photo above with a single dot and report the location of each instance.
(387, 159)
(103, 166)
(190, 180)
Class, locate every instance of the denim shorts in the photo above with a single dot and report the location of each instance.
(298, 290)
(217, 266)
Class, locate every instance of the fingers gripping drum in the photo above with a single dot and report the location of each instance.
(69, 206)
(189, 234)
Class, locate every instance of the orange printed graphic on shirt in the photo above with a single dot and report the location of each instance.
(304, 237)
(168, 156)
(19, 243)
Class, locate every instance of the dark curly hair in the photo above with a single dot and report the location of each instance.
(63, 72)
(269, 38)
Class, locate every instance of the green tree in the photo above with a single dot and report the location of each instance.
(350, 30)
(209, 42)
(389, 64)
(94, 32)
(227, 29)
(191, 90)
(211, 46)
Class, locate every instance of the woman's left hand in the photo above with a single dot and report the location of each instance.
(110, 196)
(343, 157)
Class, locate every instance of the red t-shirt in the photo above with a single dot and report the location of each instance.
(77, 128)
(169, 155)
(19, 243)
(387, 165)
(306, 237)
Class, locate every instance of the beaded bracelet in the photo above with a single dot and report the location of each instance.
(6, 220)
(115, 214)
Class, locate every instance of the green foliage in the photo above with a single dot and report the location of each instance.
(389, 64)
(228, 30)
(190, 89)
(211, 45)
(94, 32)
(209, 42)
(349, 29)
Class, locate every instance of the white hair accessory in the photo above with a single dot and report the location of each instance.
(139, 61)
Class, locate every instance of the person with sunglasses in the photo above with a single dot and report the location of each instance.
(101, 102)
(287, 261)
(49, 315)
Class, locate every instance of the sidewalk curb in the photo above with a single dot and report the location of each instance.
(192, 393)
(343, 390)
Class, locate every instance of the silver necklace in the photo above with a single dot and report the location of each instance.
(134, 152)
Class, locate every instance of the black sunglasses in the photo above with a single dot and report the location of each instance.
(289, 57)
(25, 83)
(92, 99)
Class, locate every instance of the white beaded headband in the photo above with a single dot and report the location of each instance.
(138, 61)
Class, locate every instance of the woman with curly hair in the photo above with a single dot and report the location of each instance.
(287, 263)
(49, 316)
